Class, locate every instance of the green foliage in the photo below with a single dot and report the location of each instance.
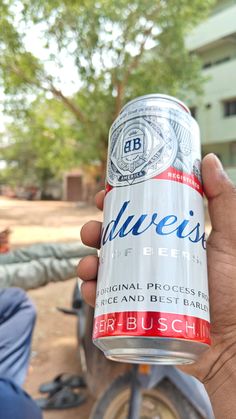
(41, 145)
(119, 49)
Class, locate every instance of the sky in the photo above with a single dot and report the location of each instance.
(67, 76)
(68, 79)
(34, 43)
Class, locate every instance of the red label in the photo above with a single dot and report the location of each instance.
(108, 188)
(175, 175)
(181, 177)
(165, 325)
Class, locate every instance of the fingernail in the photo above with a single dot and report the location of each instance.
(217, 161)
(219, 167)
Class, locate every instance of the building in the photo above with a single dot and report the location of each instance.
(214, 40)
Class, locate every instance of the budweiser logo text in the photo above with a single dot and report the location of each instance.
(129, 224)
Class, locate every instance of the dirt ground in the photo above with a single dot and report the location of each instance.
(54, 347)
(44, 221)
(54, 344)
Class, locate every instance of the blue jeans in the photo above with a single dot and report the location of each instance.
(17, 320)
(15, 403)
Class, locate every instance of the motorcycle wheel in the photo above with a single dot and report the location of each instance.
(114, 404)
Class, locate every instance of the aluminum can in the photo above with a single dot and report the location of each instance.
(152, 303)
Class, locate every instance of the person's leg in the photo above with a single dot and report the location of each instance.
(15, 403)
(17, 320)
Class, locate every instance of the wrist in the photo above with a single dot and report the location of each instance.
(220, 382)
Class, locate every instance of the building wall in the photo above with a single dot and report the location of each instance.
(216, 27)
(218, 54)
(215, 42)
(221, 86)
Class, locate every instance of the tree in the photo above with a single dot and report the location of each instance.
(41, 144)
(119, 50)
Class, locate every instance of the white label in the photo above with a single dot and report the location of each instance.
(145, 145)
(153, 255)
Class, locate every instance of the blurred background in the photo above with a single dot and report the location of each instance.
(66, 69)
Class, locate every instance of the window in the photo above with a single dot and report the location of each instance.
(219, 156)
(222, 60)
(230, 107)
(233, 153)
(207, 65)
(193, 111)
(212, 149)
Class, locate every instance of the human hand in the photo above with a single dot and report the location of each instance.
(212, 367)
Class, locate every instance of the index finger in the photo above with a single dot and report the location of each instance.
(99, 199)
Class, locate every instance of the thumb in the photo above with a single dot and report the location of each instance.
(221, 195)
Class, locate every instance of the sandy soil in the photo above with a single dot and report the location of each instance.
(40, 221)
(54, 347)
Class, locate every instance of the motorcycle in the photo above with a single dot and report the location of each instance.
(125, 391)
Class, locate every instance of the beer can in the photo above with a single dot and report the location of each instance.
(152, 303)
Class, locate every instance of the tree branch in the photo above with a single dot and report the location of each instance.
(56, 92)
(119, 98)
(137, 57)
(120, 85)
(69, 103)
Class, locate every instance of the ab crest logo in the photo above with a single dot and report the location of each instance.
(141, 149)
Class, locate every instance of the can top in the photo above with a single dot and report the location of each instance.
(158, 96)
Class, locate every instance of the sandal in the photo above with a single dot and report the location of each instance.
(62, 380)
(65, 398)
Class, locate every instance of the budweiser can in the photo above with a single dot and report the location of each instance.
(152, 292)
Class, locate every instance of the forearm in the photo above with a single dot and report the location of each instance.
(35, 274)
(58, 251)
(37, 265)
